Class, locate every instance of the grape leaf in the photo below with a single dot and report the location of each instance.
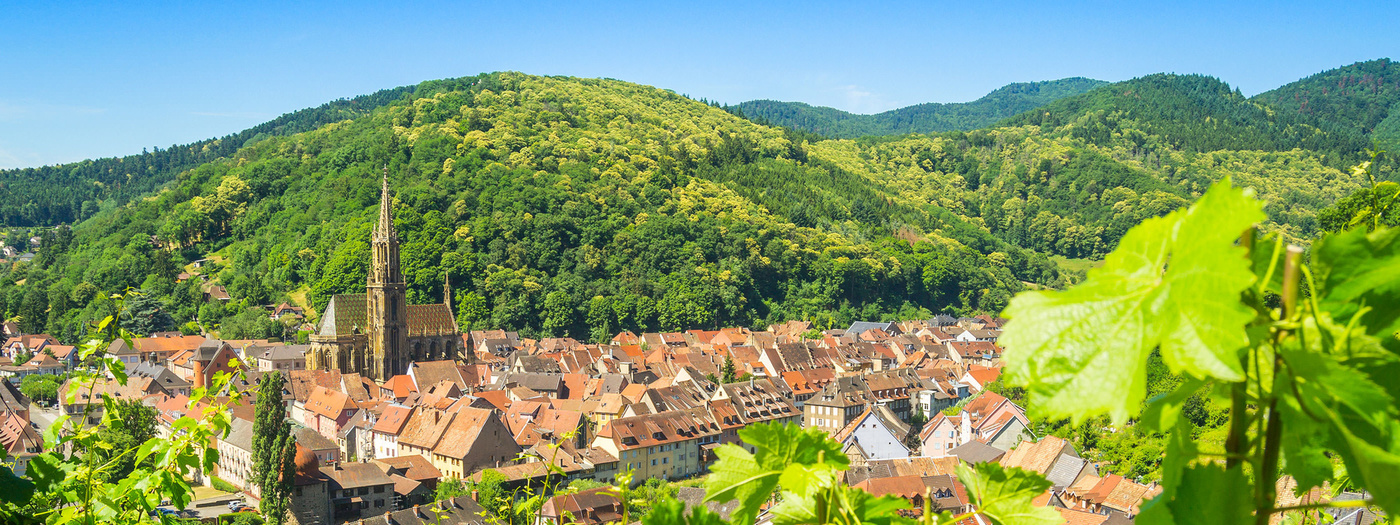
(1371, 466)
(751, 478)
(672, 512)
(1173, 282)
(826, 500)
(1004, 495)
(1205, 494)
(1355, 269)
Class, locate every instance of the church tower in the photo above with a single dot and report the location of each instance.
(385, 297)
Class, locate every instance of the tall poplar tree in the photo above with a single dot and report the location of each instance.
(274, 449)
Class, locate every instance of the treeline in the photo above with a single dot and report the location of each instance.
(69, 193)
(554, 207)
(1193, 113)
(1005, 102)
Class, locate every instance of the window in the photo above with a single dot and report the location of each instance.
(653, 463)
(379, 489)
(664, 460)
(379, 504)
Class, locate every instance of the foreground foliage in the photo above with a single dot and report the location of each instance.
(116, 471)
(1307, 382)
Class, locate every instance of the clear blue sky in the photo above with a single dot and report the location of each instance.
(83, 81)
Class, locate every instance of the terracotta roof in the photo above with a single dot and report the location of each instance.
(661, 428)
(901, 486)
(463, 432)
(411, 466)
(1080, 517)
(1037, 457)
(424, 428)
(329, 403)
(393, 420)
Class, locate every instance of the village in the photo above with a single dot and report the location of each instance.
(654, 405)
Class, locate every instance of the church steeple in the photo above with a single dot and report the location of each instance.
(385, 296)
(385, 229)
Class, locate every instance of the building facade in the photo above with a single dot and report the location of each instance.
(377, 334)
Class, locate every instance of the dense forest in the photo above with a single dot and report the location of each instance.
(553, 205)
(1362, 97)
(932, 117)
(68, 193)
(582, 207)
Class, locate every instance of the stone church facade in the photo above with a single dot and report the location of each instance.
(377, 334)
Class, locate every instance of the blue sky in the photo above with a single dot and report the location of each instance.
(85, 80)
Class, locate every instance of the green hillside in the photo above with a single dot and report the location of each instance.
(583, 207)
(922, 118)
(555, 206)
(68, 193)
(1363, 97)
(1189, 113)
(1069, 178)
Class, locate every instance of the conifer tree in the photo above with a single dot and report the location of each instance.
(274, 449)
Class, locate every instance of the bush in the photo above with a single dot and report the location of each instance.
(225, 486)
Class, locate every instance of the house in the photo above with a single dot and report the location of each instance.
(461, 510)
(588, 507)
(384, 435)
(1108, 494)
(236, 456)
(458, 443)
(87, 397)
(665, 445)
(875, 434)
(837, 404)
(415, 479)
(974, 452)
(20, 440)
(277, 357)
(153, 349)
(26, 345)
(173, 384)
(288, 311)
(988, 418)
(328, 411)
(200, 365)
(327, 452)
(40, 364)
(358, 490)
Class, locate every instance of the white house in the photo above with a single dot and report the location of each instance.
(875, 434)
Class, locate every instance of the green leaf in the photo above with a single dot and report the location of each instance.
(752, 478)
(1205, 494)
(1173, 282)
(672, 512)
(14, 489)
(1004, 495)
(1371, 466)
(1356, 269)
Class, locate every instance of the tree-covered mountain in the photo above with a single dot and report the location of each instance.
(553, 205)
(1363, 97)
(560, 205)
(68, 193)
(1005, 102)
(1193, 113)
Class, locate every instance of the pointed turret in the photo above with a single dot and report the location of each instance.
(385, 229)
(447, 291)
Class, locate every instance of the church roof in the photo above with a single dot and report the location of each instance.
(347, 312)
(344, 313)
(430, 319)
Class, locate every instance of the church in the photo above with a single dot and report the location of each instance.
(377, 334)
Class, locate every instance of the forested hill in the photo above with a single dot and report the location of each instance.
(554, 205)
(1192, 113)
(68, 193)
(922, 118)
(581, 207)
(1364, 97)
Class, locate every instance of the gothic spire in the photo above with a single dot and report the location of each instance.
(385, 229)
(447, 291)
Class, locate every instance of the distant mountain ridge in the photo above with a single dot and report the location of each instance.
(1363, 97)
(930, 117)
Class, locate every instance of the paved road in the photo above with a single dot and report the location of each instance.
(209, 507)
(43, 417)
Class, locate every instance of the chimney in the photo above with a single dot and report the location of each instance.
(474, 494)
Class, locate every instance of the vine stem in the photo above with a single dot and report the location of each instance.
(1268, 472)
(1239, 424)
